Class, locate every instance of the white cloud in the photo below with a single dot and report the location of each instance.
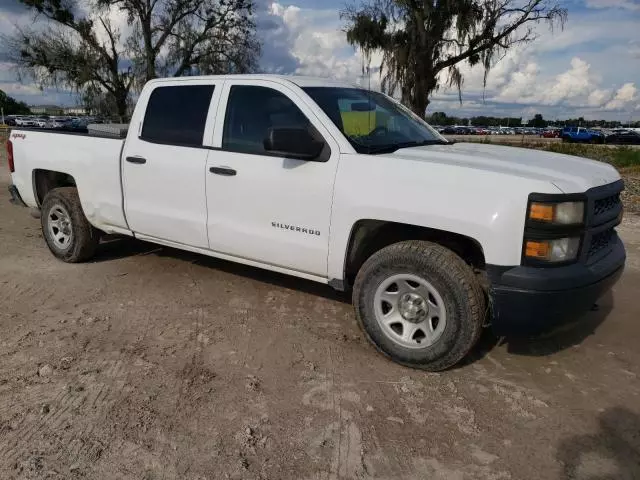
(573, 85)
(520, 84)
(598, 97)
(624, 97)
(605, 4)
(319, 47)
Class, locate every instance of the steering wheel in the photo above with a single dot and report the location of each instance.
(379, 131)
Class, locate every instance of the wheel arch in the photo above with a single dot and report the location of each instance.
(46, 180)
(368, 236)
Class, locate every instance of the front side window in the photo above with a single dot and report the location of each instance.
(177, 115)
(372, 122)
(251, 112)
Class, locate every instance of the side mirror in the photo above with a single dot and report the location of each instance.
(293, 143)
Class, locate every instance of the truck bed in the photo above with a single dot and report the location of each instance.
(92, 161)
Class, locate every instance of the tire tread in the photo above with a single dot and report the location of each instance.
(85, 236)
(431, 258)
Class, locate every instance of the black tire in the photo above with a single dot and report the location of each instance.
(84, 237)
(457, 285)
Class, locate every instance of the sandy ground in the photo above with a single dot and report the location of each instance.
(151, 363)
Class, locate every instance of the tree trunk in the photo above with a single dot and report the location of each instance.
(425, 84)
(419, 104)
(149, 52)
(121, 105)
(150, 61)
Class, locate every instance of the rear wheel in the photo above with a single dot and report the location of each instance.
(68, 233)
(419, 304)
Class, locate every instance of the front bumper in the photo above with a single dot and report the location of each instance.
(533, 300)
(16, 199)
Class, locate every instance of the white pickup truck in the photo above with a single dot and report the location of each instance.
(340, 185)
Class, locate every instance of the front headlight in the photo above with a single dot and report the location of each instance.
(553, 251)
(564, 213)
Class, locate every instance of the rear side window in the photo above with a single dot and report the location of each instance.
(251, 112)
(177, 115)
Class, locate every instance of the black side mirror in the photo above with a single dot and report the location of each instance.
(294, 143)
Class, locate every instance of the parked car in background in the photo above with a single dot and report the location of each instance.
(78, 125)
(582, 135)
(551, 133)
(25, 122)
(57, 122)
(41, 122)
(626, 137)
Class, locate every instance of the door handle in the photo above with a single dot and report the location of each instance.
(226, 171)
(139, 160)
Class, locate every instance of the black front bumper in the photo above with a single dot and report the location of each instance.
(16, 199)
(533, 300)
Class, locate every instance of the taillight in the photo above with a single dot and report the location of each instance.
(12, 167)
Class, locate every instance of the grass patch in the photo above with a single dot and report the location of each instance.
(619, 157)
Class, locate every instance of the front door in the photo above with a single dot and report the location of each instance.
(264, 207)
(163, 165)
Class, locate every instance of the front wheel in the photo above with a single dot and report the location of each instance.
(68, 233)
(419, 304)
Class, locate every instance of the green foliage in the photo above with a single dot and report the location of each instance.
(11, 106)
(619, 157)
(538, 121)
(441, 118)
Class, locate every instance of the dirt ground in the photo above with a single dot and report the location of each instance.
(151, 363)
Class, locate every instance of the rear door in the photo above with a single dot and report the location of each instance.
(163, 167)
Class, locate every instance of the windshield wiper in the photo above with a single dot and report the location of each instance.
(396, 146)
(422, 143)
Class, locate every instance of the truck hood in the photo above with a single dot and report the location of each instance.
(568, 173)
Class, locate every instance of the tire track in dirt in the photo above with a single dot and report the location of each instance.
(188, 371)
(61, 410)
(90, 398)
(51, 421)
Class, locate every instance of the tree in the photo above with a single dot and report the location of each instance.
(439, 118)
(74, 51)
(10, 106)
(538, 121)
(82, 50)
(423, 42)
(181, 37)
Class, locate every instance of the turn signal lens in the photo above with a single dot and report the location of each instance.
(537, 249)
(558, 250)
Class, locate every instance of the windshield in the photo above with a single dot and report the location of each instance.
(371, 121)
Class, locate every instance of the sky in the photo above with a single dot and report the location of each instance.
(591, 68)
